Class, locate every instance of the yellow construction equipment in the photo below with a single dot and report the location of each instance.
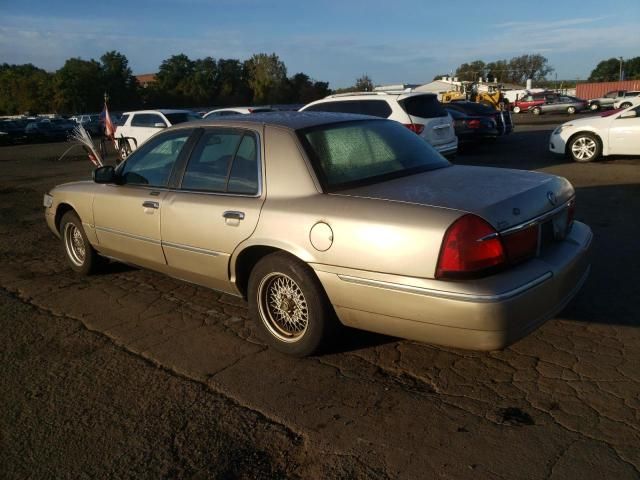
(469, 91)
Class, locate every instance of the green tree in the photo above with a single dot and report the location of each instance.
(470, 72)
(232, 83)
(78, 87)
(497, 70)
(172, 86)
(304, 89)
(205, 82)
(266, 76)
(24, 88)
(535, 67)
(364, 84)
(609, 70)
(118, 81)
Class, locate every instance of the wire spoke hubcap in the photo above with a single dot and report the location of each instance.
(584, 148)
(74, 244)
(283, 307)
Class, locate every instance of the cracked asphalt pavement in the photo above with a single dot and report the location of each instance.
(130, 374)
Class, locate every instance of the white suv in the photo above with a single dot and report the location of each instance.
(420, 112)
(138, 126)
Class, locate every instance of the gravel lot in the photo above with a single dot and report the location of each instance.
(130, 374)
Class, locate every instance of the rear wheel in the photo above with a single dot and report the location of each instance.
(536, 111)
(594, 107)
(81, 256)
(516, 109)
(584, 147)
(571, 110)
(289, 305)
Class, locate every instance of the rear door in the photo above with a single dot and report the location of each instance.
(216, 206)
(426, 110)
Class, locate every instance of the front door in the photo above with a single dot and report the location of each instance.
(624, 135)
(216, 207)
(127, 215)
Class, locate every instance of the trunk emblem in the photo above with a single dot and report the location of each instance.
(552, 198)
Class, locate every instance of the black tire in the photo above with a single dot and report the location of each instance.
(571, 110)
(81, 256)
(304, 320)
(124, 149)
(594, 107)
(536, 111)
(516, 109)
(625, 105)
(584, 147)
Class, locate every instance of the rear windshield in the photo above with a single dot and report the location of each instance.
(362, 152)
(181, 117)
(424, 106)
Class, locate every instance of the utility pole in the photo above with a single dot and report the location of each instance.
(620, 68)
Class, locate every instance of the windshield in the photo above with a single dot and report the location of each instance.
(181, 117)
(362, 152)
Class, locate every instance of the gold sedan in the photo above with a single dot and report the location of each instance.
(321, 219)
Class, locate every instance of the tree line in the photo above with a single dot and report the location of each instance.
(79, 85)
(609, 70)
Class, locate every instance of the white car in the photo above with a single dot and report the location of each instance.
(136, 127)
(421, 113)
(629, 99)
(612, 133)
(223, 112)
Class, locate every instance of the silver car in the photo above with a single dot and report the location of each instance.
(323, 219)
(561, 104)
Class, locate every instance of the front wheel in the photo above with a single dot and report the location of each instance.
(516, 109)
(584, 147)
(571, 110)
(289, 305)
(81, 256)
(625, 105)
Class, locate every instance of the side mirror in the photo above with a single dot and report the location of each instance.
(629, 114)
(159, 125)
(104, 174)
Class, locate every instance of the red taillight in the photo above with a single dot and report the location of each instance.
(521, 245)
(415, 127)
(475, 123)
(471, 246)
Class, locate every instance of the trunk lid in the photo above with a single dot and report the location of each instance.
(503, 197)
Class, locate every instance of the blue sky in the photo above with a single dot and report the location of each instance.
(335, 41)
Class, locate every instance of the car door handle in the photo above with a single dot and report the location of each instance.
(150, 204)
(234, 215)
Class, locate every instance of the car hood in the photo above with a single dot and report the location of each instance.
(503, 197)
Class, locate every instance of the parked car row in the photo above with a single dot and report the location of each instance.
(549, 102)
(442, 126)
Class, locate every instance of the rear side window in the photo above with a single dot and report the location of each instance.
(376, 108)
(181, 117)
(424, 106)
(224, 161)
(146, 120)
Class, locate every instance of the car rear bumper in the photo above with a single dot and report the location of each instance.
(484, 314)
(449, 148)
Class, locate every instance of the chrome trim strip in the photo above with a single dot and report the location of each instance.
(129, 235)
(536, 220)
(189, 248)
(465, 297)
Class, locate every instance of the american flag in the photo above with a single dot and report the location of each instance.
(109, 130)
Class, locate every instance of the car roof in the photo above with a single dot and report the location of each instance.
(287, 119)
(162, 110)
(383, 94)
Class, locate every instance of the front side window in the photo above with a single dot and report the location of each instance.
(152, 163)
(362, 152)
(224, 161)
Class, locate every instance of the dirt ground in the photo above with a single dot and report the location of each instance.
(130, 374)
